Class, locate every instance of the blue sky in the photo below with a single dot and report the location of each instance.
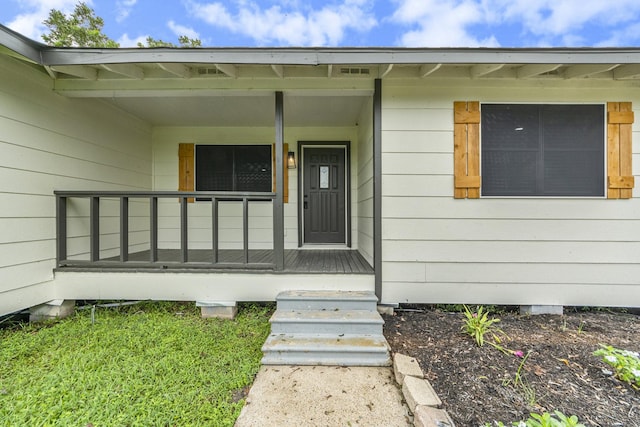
(405, 23)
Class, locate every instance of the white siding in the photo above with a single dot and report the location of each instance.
(195, 286)
(165, 161)
(365, 182)
(48, 142)
(436, 249)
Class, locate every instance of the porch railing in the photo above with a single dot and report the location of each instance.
(95, 197)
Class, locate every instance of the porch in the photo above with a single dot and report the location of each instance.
(86, 241)
(222, 246)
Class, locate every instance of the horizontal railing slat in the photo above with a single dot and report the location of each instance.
(167, 194)
(62, 197)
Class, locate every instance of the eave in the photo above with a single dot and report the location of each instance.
(324, 62)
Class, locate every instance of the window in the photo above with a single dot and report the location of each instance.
(228, 168)
(233, 168)
(555, 125)
(542, 150)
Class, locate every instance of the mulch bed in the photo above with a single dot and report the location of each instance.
(477, 384)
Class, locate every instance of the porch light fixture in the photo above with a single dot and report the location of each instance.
(291, 160)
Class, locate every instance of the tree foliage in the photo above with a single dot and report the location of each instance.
(183, 40)
(82, 28)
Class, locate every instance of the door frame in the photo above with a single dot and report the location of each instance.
(346, 145)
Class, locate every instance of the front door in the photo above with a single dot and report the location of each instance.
(323, 195)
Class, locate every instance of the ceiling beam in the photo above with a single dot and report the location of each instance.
(278, 69)
(482, 70)
(627, 72)
(205, 86)
(178, 70)
(81, 71)
(385, 69)
(533, 70)
(427, 69)
(127, 70)
(228, 69)
(577, 71)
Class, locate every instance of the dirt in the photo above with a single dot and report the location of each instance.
(480, 384)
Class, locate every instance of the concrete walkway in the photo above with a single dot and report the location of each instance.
(325, 396)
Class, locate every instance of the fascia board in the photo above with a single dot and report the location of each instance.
(355, 56)
(49, 56)
(21, 45)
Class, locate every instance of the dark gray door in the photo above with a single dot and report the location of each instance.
(324, 195)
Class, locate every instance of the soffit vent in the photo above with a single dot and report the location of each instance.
(354, 71)
(210, 72)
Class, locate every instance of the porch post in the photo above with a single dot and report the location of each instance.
(153, 229)
(124, 229)
(184, 230)
(377, 187)
(61, 229)
(278, 207)
(94, 229)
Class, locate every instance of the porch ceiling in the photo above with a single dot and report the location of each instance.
(243, 110)
(241, 94)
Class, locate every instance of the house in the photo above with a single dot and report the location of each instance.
(489, 176)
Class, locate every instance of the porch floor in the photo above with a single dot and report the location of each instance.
(331, 261)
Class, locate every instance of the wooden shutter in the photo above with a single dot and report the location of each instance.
(186, 168)
(285, 149)
(466, 154)
(620, 181)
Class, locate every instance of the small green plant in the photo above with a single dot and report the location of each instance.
(626, 363)
(520, 381)
(568, 421)
(497, 344)
(546, 419)
(477, 324)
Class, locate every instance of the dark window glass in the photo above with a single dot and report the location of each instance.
(542, 150)
(233, 168)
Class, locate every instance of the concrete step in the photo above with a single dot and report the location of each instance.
(326, 349)
(327, 300)
(337, 322)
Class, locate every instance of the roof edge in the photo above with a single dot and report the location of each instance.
(21, 45)
(46, 55)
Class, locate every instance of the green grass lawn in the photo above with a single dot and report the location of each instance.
(150, 364)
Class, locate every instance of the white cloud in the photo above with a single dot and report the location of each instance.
(540, 22)
(287, 24)
(181, 30)
(125, 41)
(29, 22)
(123, 9)
(568, 21)
(560, 17)
(623, 36)
(441, 23)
